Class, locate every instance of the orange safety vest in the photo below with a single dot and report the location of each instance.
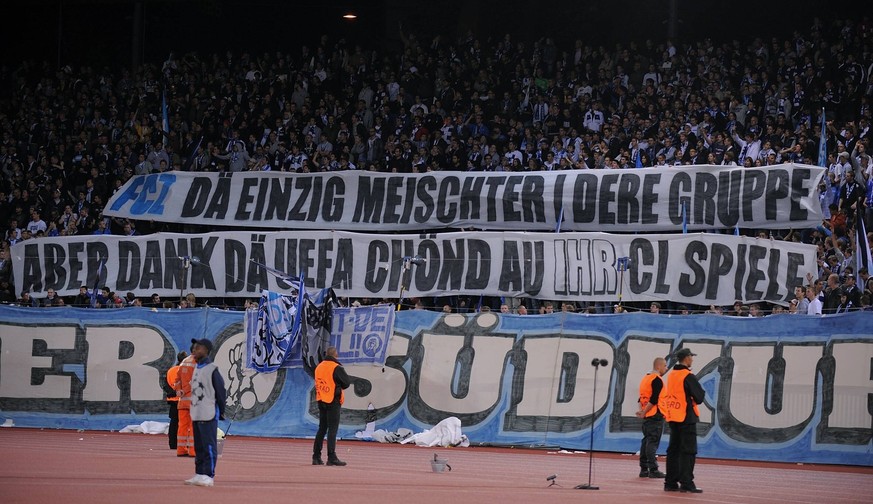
(674, 399)
(172, 378)
(183, 384)
(646, 394)
(325, 387)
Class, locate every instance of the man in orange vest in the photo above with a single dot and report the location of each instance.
(185, 447)
(679, 401)
(173, 400)
(653, 419)
(330, 380)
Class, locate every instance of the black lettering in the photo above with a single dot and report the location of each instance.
(368, 206)
(606, 196)
(754, 183)
(234, 265)
(342, 273)
(628, 204)
(261, 202)
(681, 183)
(304, 185)
(491, 203)
(478, 264)
(510, 197)
(729, 190)
(756, 253)
(706, 186)
(650, 197)
(392, 200)
(219, 202)
(129, 266)
(424, 187)
(280, 197)
(641, 254)
(314, 202)
(55, 274)
(532, 199)
(198, 195)
(778, 183)
(377, 255)
(245, 198)
(427, 274)
(688, 286)
(333, 205)
(799, 193)
(585, 198)
(720, 263)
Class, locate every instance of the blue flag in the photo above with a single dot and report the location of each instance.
(823, 142)
(684, 219)
(638, 159)
(165, 116)
(560, 220)
(863, 257)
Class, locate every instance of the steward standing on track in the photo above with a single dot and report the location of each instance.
(651, 411)
(330, 380)
(185, 447)
(173, 400)
(680, 400)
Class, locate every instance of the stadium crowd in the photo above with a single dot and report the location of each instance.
(73, 136)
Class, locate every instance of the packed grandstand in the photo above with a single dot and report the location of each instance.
(73, 136)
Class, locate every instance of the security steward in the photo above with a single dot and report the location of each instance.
(680, 399)
(651, 412)
(185, 447)
(330, 380)
(173, 399)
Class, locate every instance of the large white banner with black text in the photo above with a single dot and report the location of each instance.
(700, 268)
(649, 200)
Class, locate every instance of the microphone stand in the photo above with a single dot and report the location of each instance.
(588, 486)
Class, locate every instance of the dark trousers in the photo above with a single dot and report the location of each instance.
(653, 427)
(681, 454)
(173, 433)
(328, 423)
(205, 446)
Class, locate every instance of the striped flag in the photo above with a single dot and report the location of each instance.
(862, 250)
(823, 142)
(165, 116)
(560, 220)
(684, 219)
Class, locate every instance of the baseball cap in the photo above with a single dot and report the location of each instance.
(684, 352)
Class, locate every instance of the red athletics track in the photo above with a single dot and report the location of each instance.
(68, 467)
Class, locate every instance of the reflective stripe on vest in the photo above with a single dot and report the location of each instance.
(646, 394)
(673, 399)
(183, 384)
(325, 387)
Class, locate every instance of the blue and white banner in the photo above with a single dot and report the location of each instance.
(648, 200)
(361, 334)
(790, 388)
(270, 333)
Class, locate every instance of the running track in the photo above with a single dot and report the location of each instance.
(68, 467)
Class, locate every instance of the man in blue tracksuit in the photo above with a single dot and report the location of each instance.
(208, 396)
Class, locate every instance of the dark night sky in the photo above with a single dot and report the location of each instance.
(99, 31)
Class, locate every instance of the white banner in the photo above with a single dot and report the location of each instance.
(649, 200)
(694, 268)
